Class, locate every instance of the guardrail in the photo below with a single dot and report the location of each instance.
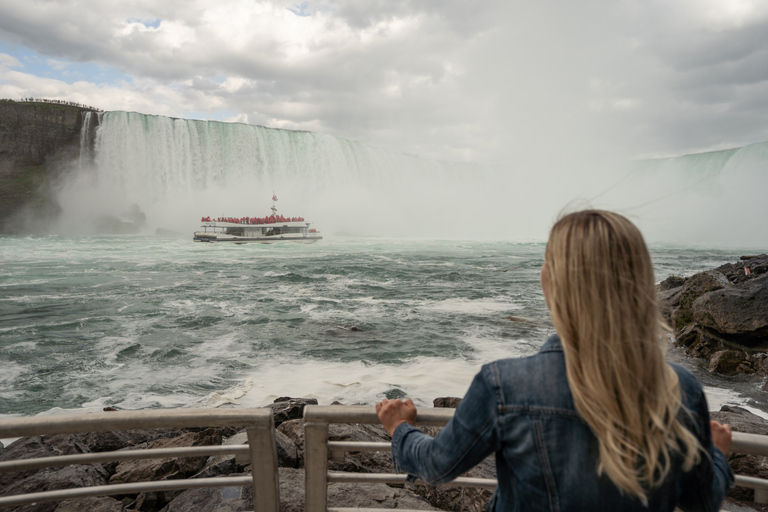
(318, 449)
(261, 451)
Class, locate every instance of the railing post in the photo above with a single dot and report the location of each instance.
(266, 485)
(316, 466)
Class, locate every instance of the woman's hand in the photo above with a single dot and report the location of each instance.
(394, 412)
(721, 436)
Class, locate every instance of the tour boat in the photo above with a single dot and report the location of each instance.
(266, 230)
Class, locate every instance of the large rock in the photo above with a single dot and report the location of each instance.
(722, 315)
(287, 409)
(738, 312)
(33, 448)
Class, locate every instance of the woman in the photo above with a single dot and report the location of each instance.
(596, 420)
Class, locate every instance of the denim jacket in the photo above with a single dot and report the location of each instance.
(546, 455)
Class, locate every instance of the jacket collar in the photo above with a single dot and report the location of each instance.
(553, 344)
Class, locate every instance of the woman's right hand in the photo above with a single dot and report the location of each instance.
(721, 436)
(394, 412)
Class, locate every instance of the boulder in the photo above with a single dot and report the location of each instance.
(695, 287)
(722, 314)
(741, 312)
(67, 477)
(164, 469)
(730, 362)
(287, 409)
(36, 447)
(215, 499)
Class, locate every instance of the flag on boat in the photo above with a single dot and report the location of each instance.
(274, 197)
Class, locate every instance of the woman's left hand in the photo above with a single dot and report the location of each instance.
(394, 412)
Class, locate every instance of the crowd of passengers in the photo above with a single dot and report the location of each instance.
(253, 220)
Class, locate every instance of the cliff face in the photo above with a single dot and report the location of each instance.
(37, 140)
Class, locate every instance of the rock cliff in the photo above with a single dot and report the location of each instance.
(37, 142)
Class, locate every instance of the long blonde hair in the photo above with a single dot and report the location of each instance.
(602, 298)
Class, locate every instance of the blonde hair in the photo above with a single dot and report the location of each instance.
(602, 298)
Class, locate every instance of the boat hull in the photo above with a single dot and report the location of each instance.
(209, 237)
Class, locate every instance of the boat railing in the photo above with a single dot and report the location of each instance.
(319, 449)
(260, 452)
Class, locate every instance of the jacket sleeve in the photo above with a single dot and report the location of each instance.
(469, 437)
(705, 487)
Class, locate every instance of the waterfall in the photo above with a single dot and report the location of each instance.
(90, 121)
(717, 197)
(174, 171)
(177, 170)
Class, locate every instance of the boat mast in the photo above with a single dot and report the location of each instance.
(274, 201)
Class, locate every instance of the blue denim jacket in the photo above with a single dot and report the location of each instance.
(546, 456)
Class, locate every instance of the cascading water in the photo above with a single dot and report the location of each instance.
(174, 171)
(714, 198)
(177, 170)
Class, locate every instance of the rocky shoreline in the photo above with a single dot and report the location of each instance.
(290, 448)
(721, 315)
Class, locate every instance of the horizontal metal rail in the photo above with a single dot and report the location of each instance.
(392, 478)
(97, 458)
(261, 451)
(133, 488)
(436, 417)
(132, 420)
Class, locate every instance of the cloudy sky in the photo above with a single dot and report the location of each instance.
(471, 81)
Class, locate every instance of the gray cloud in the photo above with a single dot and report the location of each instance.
(486, 80)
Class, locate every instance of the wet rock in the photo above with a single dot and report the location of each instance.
(287, 452)
(287, 409)
(695, 287)
(720, 312)
(728, 362)
(739, 312)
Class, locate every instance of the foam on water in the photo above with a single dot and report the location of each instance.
(171, 323)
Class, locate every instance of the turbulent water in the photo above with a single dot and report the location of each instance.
(144, 322)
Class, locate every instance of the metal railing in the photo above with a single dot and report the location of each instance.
(318, 449)
(261, 451)
(752, 444)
